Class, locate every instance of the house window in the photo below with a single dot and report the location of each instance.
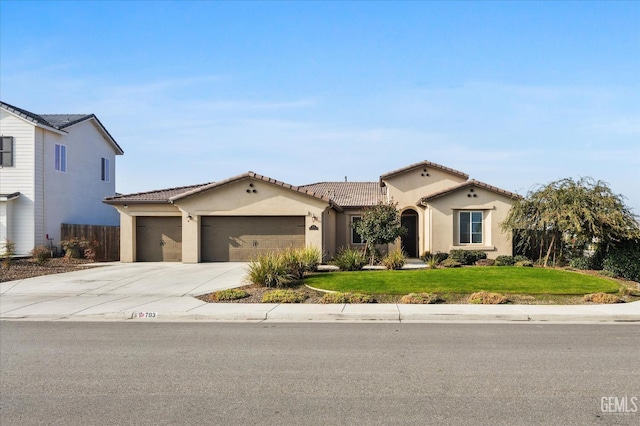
(6, 151)
(470, 227)
(61, 158)
(105, 170)
(355, 237)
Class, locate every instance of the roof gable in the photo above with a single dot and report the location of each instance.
(250, 175)
(468, 184)
(171, 195)
(419, 165)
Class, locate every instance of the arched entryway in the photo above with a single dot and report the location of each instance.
(409, 242)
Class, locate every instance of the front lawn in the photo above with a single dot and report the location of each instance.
(464, 280)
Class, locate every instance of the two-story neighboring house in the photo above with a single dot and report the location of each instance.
(54, 169)
(237, 218)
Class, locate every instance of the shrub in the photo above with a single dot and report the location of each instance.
(487, 298)
(231, 294)
(602, 298)
(467, 257)
(450, 263)
(582, 263)
(524, 264)
(298, 261)
(520, 258)
(440, 256)
(283, 296)
(360, 298)
(394, 259)
(485, 262)
(504, 261)
(624, 260)
(40, 254)
(432, 262)
(79, 248)
(420, 298)
(608, 274)
(350, 259)
(269, 270)
(338, 297)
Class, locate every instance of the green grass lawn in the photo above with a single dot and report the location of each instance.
(464, 280)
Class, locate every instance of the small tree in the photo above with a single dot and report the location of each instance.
(8, 252)
(380, 224)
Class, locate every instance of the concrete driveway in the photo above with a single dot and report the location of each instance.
(117, 287)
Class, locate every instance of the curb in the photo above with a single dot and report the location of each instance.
(394, 313)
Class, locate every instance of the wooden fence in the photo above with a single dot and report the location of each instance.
(108, 238)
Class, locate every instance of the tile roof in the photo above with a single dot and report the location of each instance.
(349, 194)
(467, 184)
(174, 194)
(423, 164)
(158, 196)
(59, 121)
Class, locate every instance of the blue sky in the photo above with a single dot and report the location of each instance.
(513, 93)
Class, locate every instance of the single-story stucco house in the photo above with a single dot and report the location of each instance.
(240, 217)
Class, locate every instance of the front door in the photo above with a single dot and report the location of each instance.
(409, 242)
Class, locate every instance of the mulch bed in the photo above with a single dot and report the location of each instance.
(20, 269)
(256, 293)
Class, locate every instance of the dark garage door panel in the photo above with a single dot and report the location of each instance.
(158, 239)
(241, 238)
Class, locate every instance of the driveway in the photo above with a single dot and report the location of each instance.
(117, 287)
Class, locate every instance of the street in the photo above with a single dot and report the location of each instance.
(68, 373)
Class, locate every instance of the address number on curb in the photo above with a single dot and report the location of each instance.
(142, 315)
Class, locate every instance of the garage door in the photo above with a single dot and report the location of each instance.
(159, 239)
(240, 239)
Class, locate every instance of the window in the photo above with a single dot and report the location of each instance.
(6, 151)
(355, 237)
(61, 158)
(470, 227)
(105, 170)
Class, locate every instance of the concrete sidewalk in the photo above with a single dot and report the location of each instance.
(164, 292)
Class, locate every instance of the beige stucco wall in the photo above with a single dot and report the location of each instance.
(329, 219)
(442, 218)
(128, 217)
(408, 188)
(229, 200)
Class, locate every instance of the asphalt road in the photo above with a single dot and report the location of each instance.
(71, 373)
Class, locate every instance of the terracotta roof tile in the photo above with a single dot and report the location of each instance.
(349, 194)
(158, 196)
(173, 194)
